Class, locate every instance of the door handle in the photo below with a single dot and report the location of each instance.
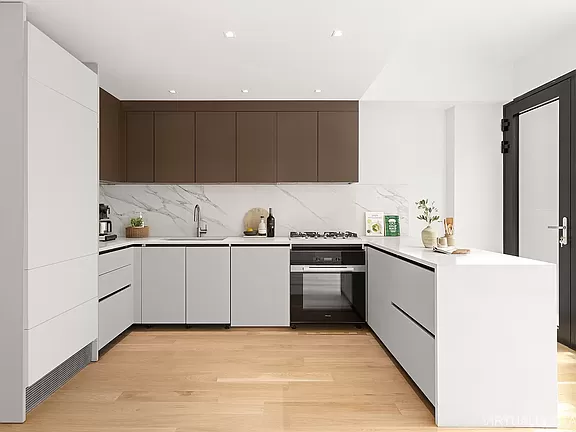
(564, 227)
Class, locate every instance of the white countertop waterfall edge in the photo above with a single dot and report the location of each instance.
(496, 362)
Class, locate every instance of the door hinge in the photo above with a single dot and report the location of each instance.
(504, 146)
(504, 125)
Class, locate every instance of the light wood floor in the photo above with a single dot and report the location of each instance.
(255, 380)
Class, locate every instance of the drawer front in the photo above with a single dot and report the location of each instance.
(115, 314)
(54, 341)
(114, 260)
(415, 350)
(57, 288)
(412, 288)
(114, 280)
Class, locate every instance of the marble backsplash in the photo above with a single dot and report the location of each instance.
(168, 209)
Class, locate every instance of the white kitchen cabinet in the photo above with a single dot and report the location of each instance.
(113, 281)
(414, 348)
(260, 286)
(110, 261)
(54, 341)
(412, 289)
(62, 145)
(163, 285)
(115, 294)
(401, 312)
(115, 314)
(378, 301)
(208, 285)
(137, 284)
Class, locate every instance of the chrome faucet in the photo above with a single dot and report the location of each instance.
(198, 219)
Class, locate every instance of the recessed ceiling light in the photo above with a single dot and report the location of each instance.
(229, 34)
(172, 91)
(337, 33)
(244, 90)
(317, 91)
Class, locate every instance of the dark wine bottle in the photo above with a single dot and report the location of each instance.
(270, 224)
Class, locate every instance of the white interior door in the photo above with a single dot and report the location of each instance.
(538, 193)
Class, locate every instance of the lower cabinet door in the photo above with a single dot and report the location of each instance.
(378, 293)
(163, 285)
(208, 285)
(115, 314)
(137, 285)
(261, 286)
(415, 350)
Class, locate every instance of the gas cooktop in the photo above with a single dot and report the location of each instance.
(328, 235)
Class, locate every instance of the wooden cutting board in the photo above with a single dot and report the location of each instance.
(252, 218)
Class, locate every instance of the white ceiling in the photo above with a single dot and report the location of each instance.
(283, 49)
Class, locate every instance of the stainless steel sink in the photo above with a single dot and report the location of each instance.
(192, 239)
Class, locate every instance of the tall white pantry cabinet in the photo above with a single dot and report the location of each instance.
(48, 140)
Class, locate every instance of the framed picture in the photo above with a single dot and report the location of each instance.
(375, 223)
(392, 225)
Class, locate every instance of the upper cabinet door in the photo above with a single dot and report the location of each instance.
(140, 147)
(256, 146)
(297, 146)
(215, 147)
(109, 116)
(338, 146)
(174, 147)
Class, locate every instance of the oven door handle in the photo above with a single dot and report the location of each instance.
(327, 269)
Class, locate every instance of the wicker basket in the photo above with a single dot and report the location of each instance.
(137, 232)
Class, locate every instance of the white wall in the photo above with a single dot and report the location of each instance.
(446, 153)
(474, 154)
(425, 78)
(545, 63)
(405, 144)
(450, 148)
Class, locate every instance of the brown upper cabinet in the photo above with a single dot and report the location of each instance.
(109, 147)
(140, 147)
(256, 147)
(228, 141)
(297, 157)
(215, 147)
(338, 147)
(174, 151)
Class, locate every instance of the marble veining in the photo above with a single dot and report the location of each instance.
(168, 209)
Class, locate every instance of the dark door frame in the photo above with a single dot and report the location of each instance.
(563, 90)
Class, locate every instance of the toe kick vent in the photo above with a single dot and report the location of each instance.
(52, 381)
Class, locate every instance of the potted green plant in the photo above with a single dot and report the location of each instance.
(137, 229)
(429, 215)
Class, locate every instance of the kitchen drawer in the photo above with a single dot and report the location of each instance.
(57, 288)
(414, 349)
(115, 314)
(114, 280)
(110, 261)
(53, 342)
(412, 288)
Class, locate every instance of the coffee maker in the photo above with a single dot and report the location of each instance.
(105, 224)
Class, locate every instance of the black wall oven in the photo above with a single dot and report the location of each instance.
(327, 284)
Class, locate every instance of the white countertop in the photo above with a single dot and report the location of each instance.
(404, 247)
(411, 249)
(189, 241)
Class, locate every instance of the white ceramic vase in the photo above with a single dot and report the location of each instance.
(429, 236)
